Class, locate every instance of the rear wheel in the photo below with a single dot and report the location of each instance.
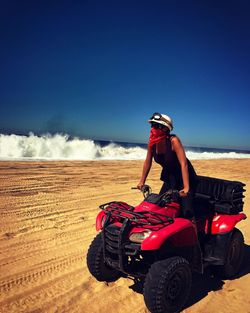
(167, 285)
(234, 256)
(95, 262)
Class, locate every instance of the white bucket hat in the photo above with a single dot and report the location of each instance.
(162, 119)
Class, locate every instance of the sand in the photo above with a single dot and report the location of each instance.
(47, 221)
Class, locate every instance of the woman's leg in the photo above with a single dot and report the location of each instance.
(164, 188)
(187, 205)
(170, 183)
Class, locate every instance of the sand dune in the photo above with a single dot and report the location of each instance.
(47, 221)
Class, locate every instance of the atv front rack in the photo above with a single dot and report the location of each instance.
(121, 211)
(120, 218)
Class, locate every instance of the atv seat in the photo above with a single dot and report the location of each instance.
(219, 195)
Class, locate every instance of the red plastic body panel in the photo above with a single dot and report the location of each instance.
(98, 222)
(225, 223)
(181, 233)
(172, 210)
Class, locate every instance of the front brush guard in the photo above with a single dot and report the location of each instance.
(116, 245)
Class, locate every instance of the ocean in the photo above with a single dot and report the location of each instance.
(64, 147)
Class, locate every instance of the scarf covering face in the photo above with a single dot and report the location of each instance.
(156, 135)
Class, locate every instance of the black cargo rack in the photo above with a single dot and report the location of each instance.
(223, 196)
(121, 211)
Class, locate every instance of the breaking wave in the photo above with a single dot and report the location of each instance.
(62, 147)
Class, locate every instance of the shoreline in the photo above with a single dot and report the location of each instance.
(103, 160)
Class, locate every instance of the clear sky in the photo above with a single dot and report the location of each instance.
(99, 69)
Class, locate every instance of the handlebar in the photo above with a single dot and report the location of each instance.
(171, 194)
(146, 190)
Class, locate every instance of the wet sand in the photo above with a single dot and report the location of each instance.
(47, 221)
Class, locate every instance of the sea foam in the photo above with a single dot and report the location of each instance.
(62, 147)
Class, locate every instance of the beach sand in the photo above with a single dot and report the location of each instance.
(47, 222)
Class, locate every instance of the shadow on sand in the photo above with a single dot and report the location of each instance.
(203, 284)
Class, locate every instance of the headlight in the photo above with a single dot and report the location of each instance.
(139, 237)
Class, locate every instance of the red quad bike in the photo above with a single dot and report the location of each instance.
(153, 243)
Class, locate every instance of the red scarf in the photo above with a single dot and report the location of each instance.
(156, 135)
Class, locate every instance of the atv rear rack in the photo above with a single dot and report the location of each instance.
(120, 211)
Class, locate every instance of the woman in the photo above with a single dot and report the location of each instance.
(177, 171)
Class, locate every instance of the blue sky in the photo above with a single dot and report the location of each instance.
(99, 69)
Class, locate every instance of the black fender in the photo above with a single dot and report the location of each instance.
(215, 250)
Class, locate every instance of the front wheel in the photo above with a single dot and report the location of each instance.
(167, 285)
(95, 262)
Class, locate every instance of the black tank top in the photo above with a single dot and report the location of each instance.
(171, 167)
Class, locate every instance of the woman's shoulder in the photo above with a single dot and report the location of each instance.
(175, 139)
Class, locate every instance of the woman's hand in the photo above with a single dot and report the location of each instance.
(140, 185)
(183, 192)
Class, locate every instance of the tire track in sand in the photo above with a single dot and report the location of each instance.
(37, 297)
(37, 275)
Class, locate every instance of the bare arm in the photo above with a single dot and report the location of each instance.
(180, 152)
(146, 168)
